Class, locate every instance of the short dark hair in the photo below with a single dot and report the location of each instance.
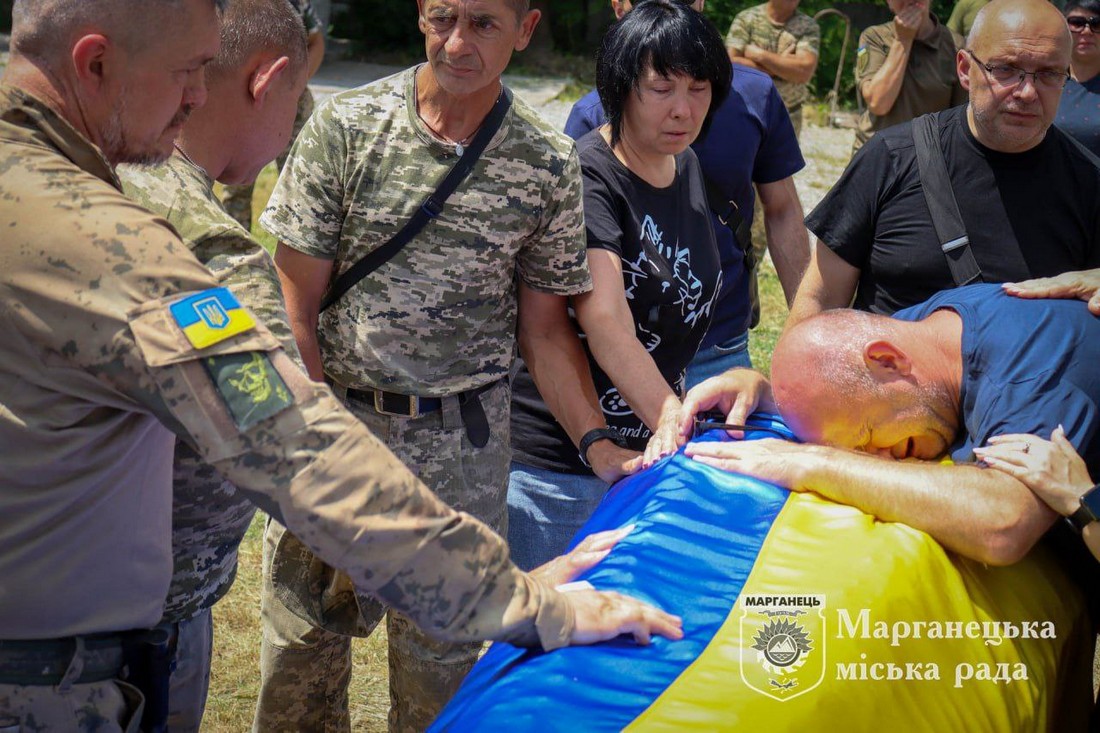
(1089, 6)
(41, 29)
(668, 36)
(521, 7)
(249, 26)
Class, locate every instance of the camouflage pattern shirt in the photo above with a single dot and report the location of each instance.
(209, 516)
(440, 317)
(309, 15)
(799, 33)
(116, 342)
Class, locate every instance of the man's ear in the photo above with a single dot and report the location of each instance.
(527, 28)
(962, 68)
(265, 76)
(90, 54)
(421, 22)
(886, 361)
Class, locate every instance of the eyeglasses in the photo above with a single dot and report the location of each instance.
(1009, 76)
(1077, 24)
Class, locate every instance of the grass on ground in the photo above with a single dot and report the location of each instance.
(235, 675)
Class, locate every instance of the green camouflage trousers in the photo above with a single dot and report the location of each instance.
(238, 199)
(305, 669)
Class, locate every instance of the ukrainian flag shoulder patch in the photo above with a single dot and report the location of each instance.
(210, 317)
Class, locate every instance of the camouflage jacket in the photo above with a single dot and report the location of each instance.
(799, 33)
(440, 317)
(209, 516)
(309, 15)
(116, 341)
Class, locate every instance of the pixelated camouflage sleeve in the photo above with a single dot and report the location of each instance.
(554, 258)
(306, 209)
(739, 35)
(810, 40)
(240, 401)
(309, 16)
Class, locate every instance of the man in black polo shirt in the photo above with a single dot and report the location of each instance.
(1029, 197)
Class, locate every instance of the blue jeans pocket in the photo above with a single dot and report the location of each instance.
(735, 344)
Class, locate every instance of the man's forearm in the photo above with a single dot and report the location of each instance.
(829, 282)
(979, 513)
(881, 91)
(559, 368)
(306, 336)
(797, 68)
(788, 240)
(737, 56)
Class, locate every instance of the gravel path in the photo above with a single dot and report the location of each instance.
(826, 149)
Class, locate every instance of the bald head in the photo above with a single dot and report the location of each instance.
(1011, 44)
(44, 30)
(871, 383)
(1027, 20)
(818, 364)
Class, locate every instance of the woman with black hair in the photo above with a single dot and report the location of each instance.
(1079, 111)
(661, 72)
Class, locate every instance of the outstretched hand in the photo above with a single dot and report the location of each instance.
(603, 615)
(1083, 285)
(587, 554)
(780, 462)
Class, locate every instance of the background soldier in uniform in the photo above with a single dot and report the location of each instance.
(906, 68)
(238, 198)
(117, 340)
(782, 42)
(253, 85)
(422, 346)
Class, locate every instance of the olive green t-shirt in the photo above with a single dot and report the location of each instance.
(931, 83)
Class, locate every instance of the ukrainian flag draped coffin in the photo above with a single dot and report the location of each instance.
(799, 614)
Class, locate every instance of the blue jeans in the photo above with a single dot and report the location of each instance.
(545, 510)
(189, 682)
(714, 360)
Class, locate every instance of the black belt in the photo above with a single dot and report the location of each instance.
(403, 405)
(44, 662)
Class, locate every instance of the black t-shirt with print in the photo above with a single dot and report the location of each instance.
(1029, 214)
(671, 275)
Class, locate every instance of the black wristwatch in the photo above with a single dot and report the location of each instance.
(599, 434)
(1088, 512)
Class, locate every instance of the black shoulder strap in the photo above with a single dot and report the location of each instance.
(429, 209)
(728, 213)
(938, 193)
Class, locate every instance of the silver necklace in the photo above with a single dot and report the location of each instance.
(460, 145)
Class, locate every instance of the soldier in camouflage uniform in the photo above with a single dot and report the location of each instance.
(782, 42)
(262, 59)
(438, 321)
(238, 198)
(117, 341)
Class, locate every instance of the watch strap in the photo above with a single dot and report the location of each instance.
(1089, 510)
(598, 434)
